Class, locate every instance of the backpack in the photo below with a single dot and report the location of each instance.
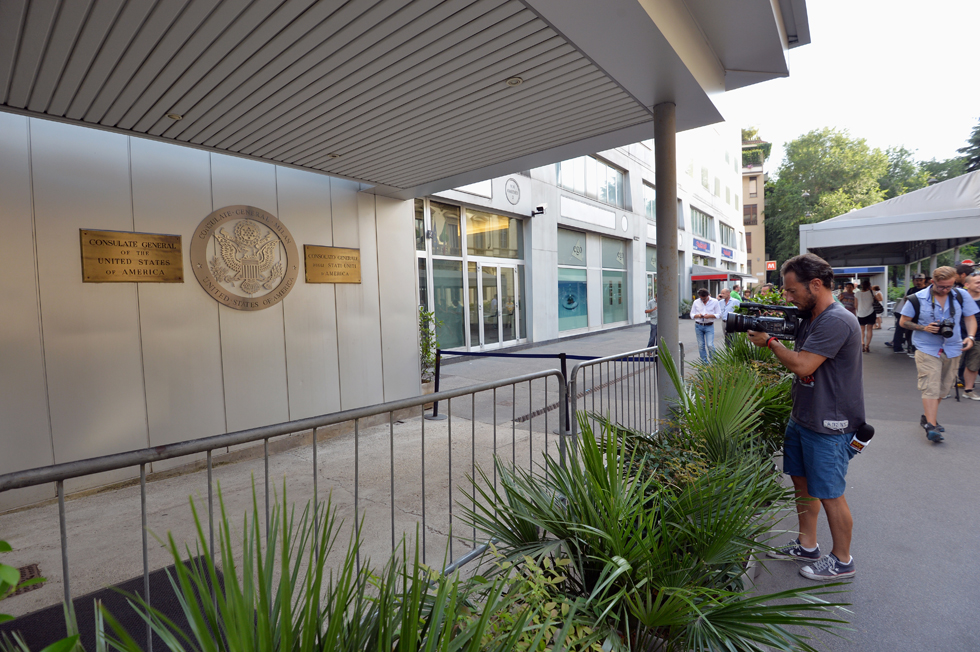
(914, 300)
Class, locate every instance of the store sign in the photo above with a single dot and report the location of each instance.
(332, 264)
(701, 245)
(244, 258)
(770, 265)
(125, 257)
(727, 253)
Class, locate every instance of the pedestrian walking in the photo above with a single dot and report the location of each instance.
(728, 304)
(935, 320)
(971, 362)
(864, 309)
(828, 408)
(878, 306)
(704, 312)
(651, 312)
(847, 298)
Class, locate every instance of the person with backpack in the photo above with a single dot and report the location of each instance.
(935, 321)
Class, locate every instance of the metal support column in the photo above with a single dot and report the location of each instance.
(668, 268)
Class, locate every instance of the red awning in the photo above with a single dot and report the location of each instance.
(711, 277)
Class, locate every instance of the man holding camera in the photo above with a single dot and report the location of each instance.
(934, 319)
(828, 408)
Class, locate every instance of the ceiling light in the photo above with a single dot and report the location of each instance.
(515, 81)
(175, 116)
(333, 155)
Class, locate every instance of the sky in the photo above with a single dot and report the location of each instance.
(894, 73)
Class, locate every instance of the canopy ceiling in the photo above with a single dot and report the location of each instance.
(410, 96)
(901, 230)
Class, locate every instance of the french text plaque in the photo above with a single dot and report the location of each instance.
(125, 257)
(332, 264)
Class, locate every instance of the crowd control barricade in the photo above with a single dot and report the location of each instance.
(416, 469)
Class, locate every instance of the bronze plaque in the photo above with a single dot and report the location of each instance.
(332, 264)
(244, 257)
(125, 257)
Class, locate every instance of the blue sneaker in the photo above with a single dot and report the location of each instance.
(794, 551)
(829, 568)
(924, 423)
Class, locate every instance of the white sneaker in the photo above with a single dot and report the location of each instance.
(972, 395)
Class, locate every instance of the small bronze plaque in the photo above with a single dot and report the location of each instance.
(125, 257)
(332, 264)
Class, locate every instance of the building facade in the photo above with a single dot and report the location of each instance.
(586, 260)
(754, 155)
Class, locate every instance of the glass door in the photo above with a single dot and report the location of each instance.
(490, 304)
(508, 305)
(497, 314)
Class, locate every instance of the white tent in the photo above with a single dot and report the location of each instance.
(901, 230)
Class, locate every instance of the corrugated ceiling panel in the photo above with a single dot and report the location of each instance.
(407, 91)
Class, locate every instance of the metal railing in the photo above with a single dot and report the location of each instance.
(620, 387)
(521, 420)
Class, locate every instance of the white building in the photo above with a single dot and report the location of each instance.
(496, 276)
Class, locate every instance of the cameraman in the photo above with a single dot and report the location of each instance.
(828, 407)
(936, 352)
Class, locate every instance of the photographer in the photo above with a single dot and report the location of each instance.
(828, 407)
(935, 322)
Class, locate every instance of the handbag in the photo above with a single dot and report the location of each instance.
(876, 306)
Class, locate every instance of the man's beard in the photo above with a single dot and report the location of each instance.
(807, 305)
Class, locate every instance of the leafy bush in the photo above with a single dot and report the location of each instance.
(428, 343)
(646, 561)
(283, 596)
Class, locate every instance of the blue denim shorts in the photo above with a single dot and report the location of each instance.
(821, 459)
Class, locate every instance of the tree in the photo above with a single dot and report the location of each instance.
(971, 153)
(943, 170)
(825, 173)
(904, 174)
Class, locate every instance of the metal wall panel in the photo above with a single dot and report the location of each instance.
(358, 314)
(25, 435)
(310, 309)
(253, 349)
(178, 321)
(91, 330)
(399, 312)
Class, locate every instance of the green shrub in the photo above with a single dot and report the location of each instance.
(648, 561)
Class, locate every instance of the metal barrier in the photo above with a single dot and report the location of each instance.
(478, 413)
(622, 387)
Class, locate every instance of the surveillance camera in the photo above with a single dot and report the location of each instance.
(539, 209)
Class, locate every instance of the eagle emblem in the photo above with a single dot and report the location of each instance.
(249, 258)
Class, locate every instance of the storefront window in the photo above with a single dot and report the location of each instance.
(446, 239)
(447, 286)
(423, 285)
(571, 248)
(614, 301)
(573, 308)
(494, 235)
(419, 225)
(613, 253)
(651, 259)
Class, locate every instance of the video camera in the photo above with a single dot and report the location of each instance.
(782, 328)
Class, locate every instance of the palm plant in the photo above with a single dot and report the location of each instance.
(282, 597)
(722, 408)
(650, 562)
(768, 375)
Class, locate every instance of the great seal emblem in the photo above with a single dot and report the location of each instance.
(244, 257)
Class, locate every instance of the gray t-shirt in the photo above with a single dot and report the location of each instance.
(652, 316)
(831, 401)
